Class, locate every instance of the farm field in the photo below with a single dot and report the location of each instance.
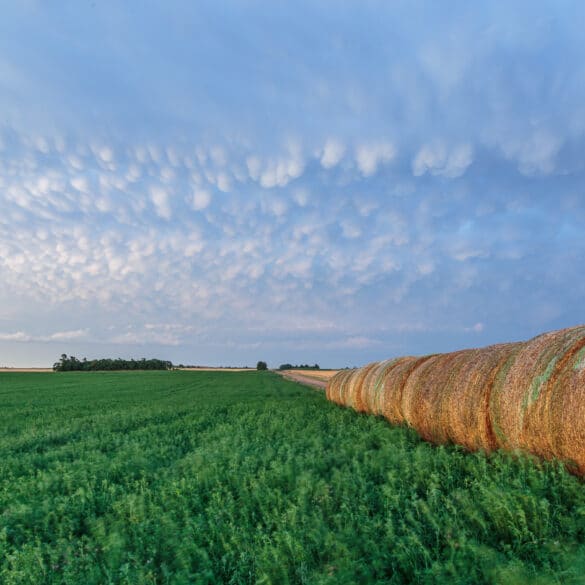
(245, 477)
(318, 374)
(314, 378)
(29, 370)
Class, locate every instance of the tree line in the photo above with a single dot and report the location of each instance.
(72, 364)
(299, 367)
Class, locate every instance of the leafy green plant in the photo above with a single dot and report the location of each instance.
(226, 477)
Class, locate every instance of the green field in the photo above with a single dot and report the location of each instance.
(210, 477)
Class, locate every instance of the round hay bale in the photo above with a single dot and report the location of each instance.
(528, 395)
(424, 392)
(373, 387)
(448, 388)
(567, 413)
(519, 401)
(394, 379)
(331, 387)
(345, 386)
(357, 393)
(335, 384)
(541, 418)
(465, 410)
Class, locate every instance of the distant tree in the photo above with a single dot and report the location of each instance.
(261, 366)
(299, 367)
(71, 363)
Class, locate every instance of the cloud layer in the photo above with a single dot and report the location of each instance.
(260, 191)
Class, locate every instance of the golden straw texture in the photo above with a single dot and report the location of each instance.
(527, 395)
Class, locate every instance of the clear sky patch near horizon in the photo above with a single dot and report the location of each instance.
(334, 182)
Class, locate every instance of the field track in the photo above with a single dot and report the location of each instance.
(315, 378)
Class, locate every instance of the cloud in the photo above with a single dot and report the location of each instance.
(21, 336)
(106, 154)
(437, 159)
(535, 154)
(410, 186)
(17, 336)
(357, 342)
(68, 335)
(145, 338)
(79, 183)
(201, 199)
(160, 199)
(279, 172)
(333, 152)
(370, 156)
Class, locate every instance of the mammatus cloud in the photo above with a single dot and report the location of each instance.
(333, 152)
(349, 195)
(370, 155)
(201, 199)
(171, 243)
(437, 159)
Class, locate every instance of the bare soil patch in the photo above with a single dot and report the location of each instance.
(318, 374)
(315, 378)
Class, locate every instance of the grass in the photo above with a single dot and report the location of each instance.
(203, 477)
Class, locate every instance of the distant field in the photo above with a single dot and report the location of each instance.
(315, 378)
(226, 477)
(29, 370)
(319, 374)
(212, 369)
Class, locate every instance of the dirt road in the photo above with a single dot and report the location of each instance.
(315, 378)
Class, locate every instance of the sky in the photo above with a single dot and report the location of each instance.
(332, 182)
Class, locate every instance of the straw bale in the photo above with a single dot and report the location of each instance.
(366, 387)
(331, 388)
(567, 413)
(334, 386)
(541, 430)
(446, 392)
(346, 389)
(356, 387)
(394, 380)
(527, 395)
(344, 386)
(424, 391)
(519, 402)
(510, 390)
(373, 387)
(465, 410)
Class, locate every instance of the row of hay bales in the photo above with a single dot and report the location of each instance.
(527, 395)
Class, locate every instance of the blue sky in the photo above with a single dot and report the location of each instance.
(331, 182)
